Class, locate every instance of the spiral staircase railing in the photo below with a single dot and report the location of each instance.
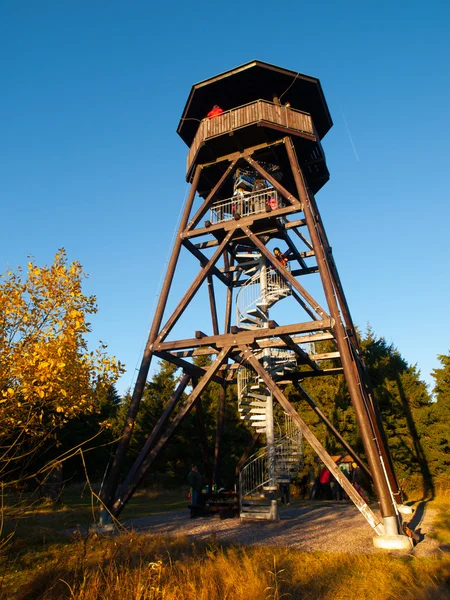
(255, 474)
(250, 297)
(275, 463)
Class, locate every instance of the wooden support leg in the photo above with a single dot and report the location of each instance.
(122, 447)
(370, 517)
(184, 410)
(371, 444)
(157, 429)
(219, 435)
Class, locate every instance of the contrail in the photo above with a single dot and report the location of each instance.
(349, 135)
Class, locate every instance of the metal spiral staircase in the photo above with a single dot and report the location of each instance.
(261, 473)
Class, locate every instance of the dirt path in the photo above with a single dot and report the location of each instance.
(311, 526)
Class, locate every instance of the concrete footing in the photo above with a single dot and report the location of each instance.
(405, 510)
(393, 542)
(391, 539)
(274, 510)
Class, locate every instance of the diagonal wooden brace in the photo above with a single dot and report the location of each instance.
(367, 513)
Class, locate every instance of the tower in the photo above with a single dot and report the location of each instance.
(254, 165)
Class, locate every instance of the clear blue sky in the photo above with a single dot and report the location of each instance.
(91, 95)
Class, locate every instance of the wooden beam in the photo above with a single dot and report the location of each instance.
(276, 184)
(242, 154)
(233, 224)
(204, 260)
(367, 513)
(157, 429)
(331, 427)
(170, 429)
(204, 207)
(192, 291)
(304, 356)
(188, 367)
(285, 273)
(245, 336)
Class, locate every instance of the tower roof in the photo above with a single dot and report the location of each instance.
(254, 81)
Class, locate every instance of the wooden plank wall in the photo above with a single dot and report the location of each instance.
(260, 110)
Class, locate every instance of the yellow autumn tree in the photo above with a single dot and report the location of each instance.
(47, 373)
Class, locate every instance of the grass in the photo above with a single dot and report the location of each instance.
(442, 524)
(149, 567)
(42, 565)
(75, 509)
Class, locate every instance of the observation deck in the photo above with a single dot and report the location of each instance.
(262, 104)
(247, 120)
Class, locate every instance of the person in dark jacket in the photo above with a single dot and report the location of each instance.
(195, 480)
(280, 257)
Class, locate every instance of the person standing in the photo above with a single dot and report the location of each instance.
(195, 480)
(285, 489)
(357, 481)
(215, 112)
(280, 257)
(325, 480)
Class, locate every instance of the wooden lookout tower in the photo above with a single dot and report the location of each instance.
(252, 221)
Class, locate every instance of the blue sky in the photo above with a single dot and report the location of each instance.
(91, 95)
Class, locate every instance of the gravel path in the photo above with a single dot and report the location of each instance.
(327, 526)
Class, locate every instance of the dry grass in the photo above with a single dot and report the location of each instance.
(137, 567)
(146, 567)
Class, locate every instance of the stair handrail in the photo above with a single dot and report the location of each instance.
(250, 293)
(248, 296)
(257, 465)
(246, 203)
(276, 284)
(246, 376)
(253, 474)
(292, 435)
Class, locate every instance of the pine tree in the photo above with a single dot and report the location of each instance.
(438, 432)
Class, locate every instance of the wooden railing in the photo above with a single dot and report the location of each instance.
(248, 114)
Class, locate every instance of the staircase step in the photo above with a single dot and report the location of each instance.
(258, 396)
(252, 417)
(256, 508)
(252, 397)
(266, 516)
(240, 255)
(249, 319)
(262, 501)
(255, 311)
(250, 270)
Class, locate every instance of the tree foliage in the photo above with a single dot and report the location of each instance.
(438, 433)
(48, 376)
(404, 402)
(187, 445)
(406, 407)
